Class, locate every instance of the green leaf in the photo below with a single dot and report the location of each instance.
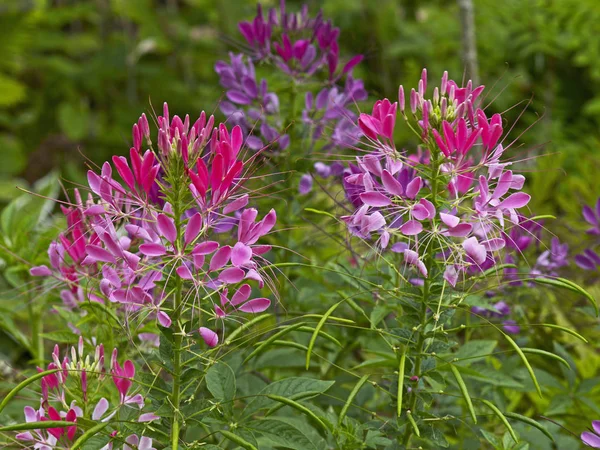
(474, 351)
(64, 337)
(288, 387)
(465, 393)
(220, 381)
(502, 419)
(282, 434)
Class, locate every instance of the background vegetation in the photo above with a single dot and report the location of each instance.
(74, 74)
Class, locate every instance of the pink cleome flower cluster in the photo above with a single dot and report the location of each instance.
(178, 214)
(456, 195)
(73, 388)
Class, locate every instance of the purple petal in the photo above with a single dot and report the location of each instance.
(236, 204)
(374, 199)
(210, 337)
(411, 228)
(516, 200)
(391, 185)
(255, 305)
(305, 184)
(164, 319)
(96, 254)
(590, 439)
(589, 216)
(240, 254)
(596, 426)
(40, 271)
(414, 187)
(100, 409)
(584, 262)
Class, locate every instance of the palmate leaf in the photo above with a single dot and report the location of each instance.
(220, 381)
(288, 387)
(282, 434)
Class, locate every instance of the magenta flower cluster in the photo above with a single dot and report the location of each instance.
(77, 373)
(181, 214)
(457, 196)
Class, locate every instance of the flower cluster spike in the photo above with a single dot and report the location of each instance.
(181, 213)
(75, 391)
(302, 48)
(458, 194)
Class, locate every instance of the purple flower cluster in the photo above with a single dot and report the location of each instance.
(589, 259)
(301, 48)
(413, 202)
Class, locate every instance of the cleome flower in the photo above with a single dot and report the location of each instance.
(173, 216)
(457, 197)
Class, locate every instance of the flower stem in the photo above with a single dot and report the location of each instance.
(429, 264)
(37, 328)
(175, 395)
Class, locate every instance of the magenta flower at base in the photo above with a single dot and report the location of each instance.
(592, 439)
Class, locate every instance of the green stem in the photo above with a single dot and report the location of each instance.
(429, 264)
(37, 340)
(179, 330)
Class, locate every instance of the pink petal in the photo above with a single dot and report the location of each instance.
(449, 219)
(232, 275)
(241, 295)
(210, 337)
(516, 200)
(96, 253)
(164, 319)
(240, 254)
(220, 258)
(184, 273)
(193, 228)
(166, 227)
(40, 271)
(391, 185)
(374, 199)
(148, 417)
(100, 409)
(205, 248)
(411, 228)
(255, 305)
(236, 204)
(153, 249)
(475, 250)
(414, 187)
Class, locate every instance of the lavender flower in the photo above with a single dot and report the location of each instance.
(592, 439)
